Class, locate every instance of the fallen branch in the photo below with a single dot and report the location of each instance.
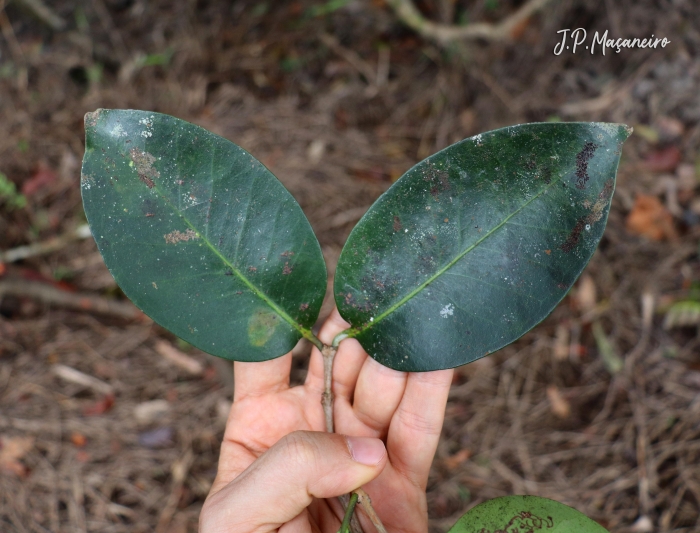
(50, 295)
(446, 33)
(45, 247)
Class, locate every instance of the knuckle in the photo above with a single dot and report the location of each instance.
(420, 423)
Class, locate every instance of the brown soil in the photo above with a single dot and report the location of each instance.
(544, 416)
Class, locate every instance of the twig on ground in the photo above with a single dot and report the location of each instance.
(351, 57)
(178, 358)
(80, 378)
(69, 300)
(45, 247)
(16, 49)
(613, 94)
(179, 472)
(112, 31)
(443, 34)
(43, 13)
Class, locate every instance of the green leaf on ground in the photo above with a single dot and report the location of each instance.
(200, 235)
(522, 514)
(478, 243)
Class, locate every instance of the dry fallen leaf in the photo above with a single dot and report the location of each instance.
(12, 449)
(651, 219)
(559, 405)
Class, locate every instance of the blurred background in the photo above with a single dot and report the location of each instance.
(110, 424)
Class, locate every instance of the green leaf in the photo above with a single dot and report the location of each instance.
(477, 244)
(200, 235)
(525, 514)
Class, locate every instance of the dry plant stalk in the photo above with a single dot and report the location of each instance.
(444, 34)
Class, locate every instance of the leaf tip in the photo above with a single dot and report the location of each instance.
(621, 131)
(92, 117)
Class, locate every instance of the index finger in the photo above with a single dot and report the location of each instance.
(258, 379)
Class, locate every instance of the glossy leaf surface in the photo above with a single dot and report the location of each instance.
(525, 514)
(200, 235)
(476, 244)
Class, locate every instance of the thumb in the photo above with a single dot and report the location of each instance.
(282, 482)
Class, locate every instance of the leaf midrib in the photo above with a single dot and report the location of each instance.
(303, 331)
(354, 332)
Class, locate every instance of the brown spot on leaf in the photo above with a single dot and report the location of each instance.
(91, 118)
(303, 307)
(287, 269)
(574, 236)
(439, 179)
(348, 299)
(597, 211)
(143, 161)
(548, 252)
(397, 224)
(287, 254)
(252, 269)
(176, 236)
(582, 159)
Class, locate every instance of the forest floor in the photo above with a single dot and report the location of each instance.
(597, 407)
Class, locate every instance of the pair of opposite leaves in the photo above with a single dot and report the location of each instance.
(470, 249)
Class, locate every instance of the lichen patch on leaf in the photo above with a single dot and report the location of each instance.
(144, 166)
(176, 236)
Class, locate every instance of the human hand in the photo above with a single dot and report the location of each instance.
(405, 410)
(276, 490)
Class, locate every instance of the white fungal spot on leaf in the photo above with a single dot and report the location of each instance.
(118, 131)
(448, 310)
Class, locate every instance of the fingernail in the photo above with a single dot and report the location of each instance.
(366, 450)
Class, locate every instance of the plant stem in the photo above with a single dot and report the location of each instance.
(345, 526)
(328, 353)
